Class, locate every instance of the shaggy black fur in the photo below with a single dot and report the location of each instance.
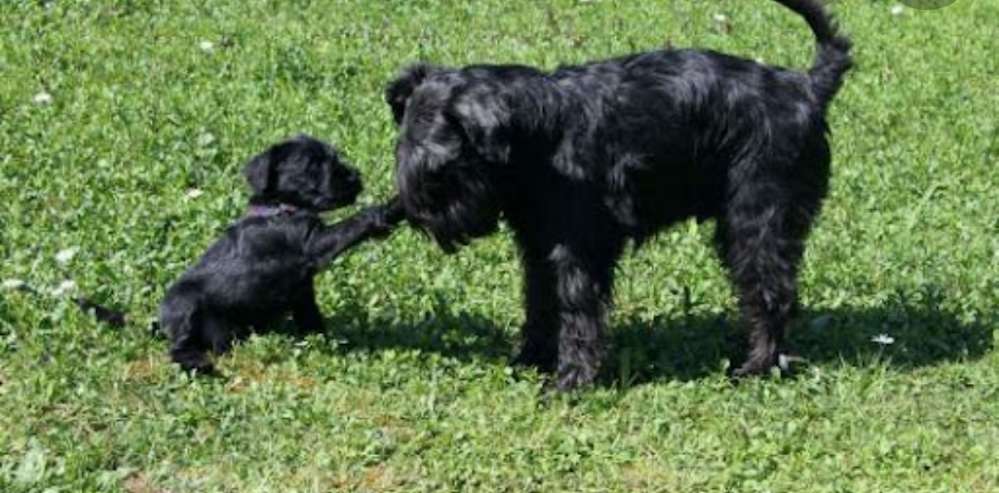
(264, 265)
(582, 159)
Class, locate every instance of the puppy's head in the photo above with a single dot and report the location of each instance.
(304, 172)
(453, 146)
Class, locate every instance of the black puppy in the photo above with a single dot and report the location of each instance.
(264, 265)
(582, 159)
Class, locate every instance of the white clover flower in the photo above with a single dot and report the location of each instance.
(42, 98)
(897, 9)
(13, 284)
(66, 255)
(65, 287)
(786, 361)
(883, 339)
(194, 193)
(720, 18)
(206, 46)
(206, 139)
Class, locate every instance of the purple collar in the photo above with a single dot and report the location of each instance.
(270, 210)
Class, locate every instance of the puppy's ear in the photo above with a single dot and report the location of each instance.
(399, 90)
(485, 120)
(259, 170)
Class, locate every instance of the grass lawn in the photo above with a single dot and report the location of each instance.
(115, 115)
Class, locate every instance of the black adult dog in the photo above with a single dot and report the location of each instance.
(263, 266)
(584, 158)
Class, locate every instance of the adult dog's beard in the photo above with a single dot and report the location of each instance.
(452, 206)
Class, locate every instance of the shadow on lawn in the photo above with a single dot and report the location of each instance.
(462, 336)
(687, 348)
(692, 348)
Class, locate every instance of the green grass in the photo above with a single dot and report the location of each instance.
(409, 389)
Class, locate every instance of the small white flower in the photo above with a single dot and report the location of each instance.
(42, 98)
(786, 361)
(194, 193)
(13, 284)
(720, 18)
(206, 139)
(883, 339)
(206, 46)
(897, 9)
(65, 256)
(65, 287)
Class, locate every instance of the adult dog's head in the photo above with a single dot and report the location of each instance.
(303, 172)
(453, 146)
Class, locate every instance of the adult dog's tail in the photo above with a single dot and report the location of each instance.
(833, 57)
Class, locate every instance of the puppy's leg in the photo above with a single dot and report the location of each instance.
(583, 287)
(761, 240)
(305, 311)
(329, 242)
(191, 354)
(540, 331)
(193, 331)
(183, 323)
(219, 333)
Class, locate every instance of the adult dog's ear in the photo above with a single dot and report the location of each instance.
(399, 90)
(484, 118)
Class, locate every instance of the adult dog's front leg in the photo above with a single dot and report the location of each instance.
(583, 287)
(539, 347)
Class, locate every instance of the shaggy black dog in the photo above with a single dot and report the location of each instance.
(264, 265)
(580, 160)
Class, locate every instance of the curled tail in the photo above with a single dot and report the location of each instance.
(833, 57)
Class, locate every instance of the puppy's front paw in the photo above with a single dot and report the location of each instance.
(394, 211)
(386, 216)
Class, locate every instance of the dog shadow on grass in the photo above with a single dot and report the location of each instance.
(901, 337)
(901, 334)
(904, 333)
(462, 336)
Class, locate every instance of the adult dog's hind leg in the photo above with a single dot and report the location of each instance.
(761, 241)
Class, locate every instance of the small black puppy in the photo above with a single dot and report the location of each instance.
(263, 266)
